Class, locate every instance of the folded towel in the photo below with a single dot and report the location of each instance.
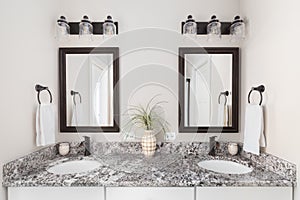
(223, 115)
(45, 124)
(226, 116)
(77, 115)
(254, 129)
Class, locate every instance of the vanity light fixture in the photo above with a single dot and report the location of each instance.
(109, 28)
(62, 28)
(214, 29)
(237, 29)
(85, 28)
(190, 26)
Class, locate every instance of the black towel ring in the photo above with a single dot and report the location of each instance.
(260, 89)
(74, 93)
(226, 93)
(40, 88)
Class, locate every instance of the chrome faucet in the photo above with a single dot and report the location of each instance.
(213, 145)
(87, 145)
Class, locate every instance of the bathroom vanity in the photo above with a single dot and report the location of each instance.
(123, 172)
(150, 193)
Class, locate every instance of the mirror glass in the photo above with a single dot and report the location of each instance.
(207, 88)
(89, 95)
(89, 89)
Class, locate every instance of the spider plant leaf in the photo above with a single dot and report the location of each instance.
(156, 106)
(149, 103)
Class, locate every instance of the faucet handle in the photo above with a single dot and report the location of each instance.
(85, 140)
(86, 137)
(213, 146)
(87, 145)
(212, 138)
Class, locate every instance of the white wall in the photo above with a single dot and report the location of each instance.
(271, 57)
(28, 56)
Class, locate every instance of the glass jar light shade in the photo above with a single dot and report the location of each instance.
(190, 26)
(109, 28)
(237, 29)
(85, 27)
(214, 29)
(62, 28)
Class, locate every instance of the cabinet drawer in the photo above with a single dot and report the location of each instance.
(55, 193)
(149, 193)
(245, 193)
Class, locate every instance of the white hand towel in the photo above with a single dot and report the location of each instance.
(223, 115)
(45, 124)
(254, 129)
(77, 115)
(220, 114)
(226, 115)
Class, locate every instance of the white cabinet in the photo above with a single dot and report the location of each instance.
(245, 193)
(150, 193)
(55, 193)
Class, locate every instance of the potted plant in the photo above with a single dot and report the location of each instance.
(151, 119)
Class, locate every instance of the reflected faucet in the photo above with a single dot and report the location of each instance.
(87, 145)
(213, 145)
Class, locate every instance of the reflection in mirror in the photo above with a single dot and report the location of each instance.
(207, 76)
(88, 91)
(208, 89)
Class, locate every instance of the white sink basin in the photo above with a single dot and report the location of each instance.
(225, 167)
(76, 166)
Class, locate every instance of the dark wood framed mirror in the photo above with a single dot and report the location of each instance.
(209, 89)
(89, 89)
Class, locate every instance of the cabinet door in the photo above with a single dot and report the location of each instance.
(55, 193)
(245, 193)
(149, 193)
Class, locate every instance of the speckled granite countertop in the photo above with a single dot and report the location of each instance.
(122, 164)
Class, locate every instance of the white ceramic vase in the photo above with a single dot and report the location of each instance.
(149, 143)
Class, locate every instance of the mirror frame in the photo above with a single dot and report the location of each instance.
(235, 51)
(62, 87)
